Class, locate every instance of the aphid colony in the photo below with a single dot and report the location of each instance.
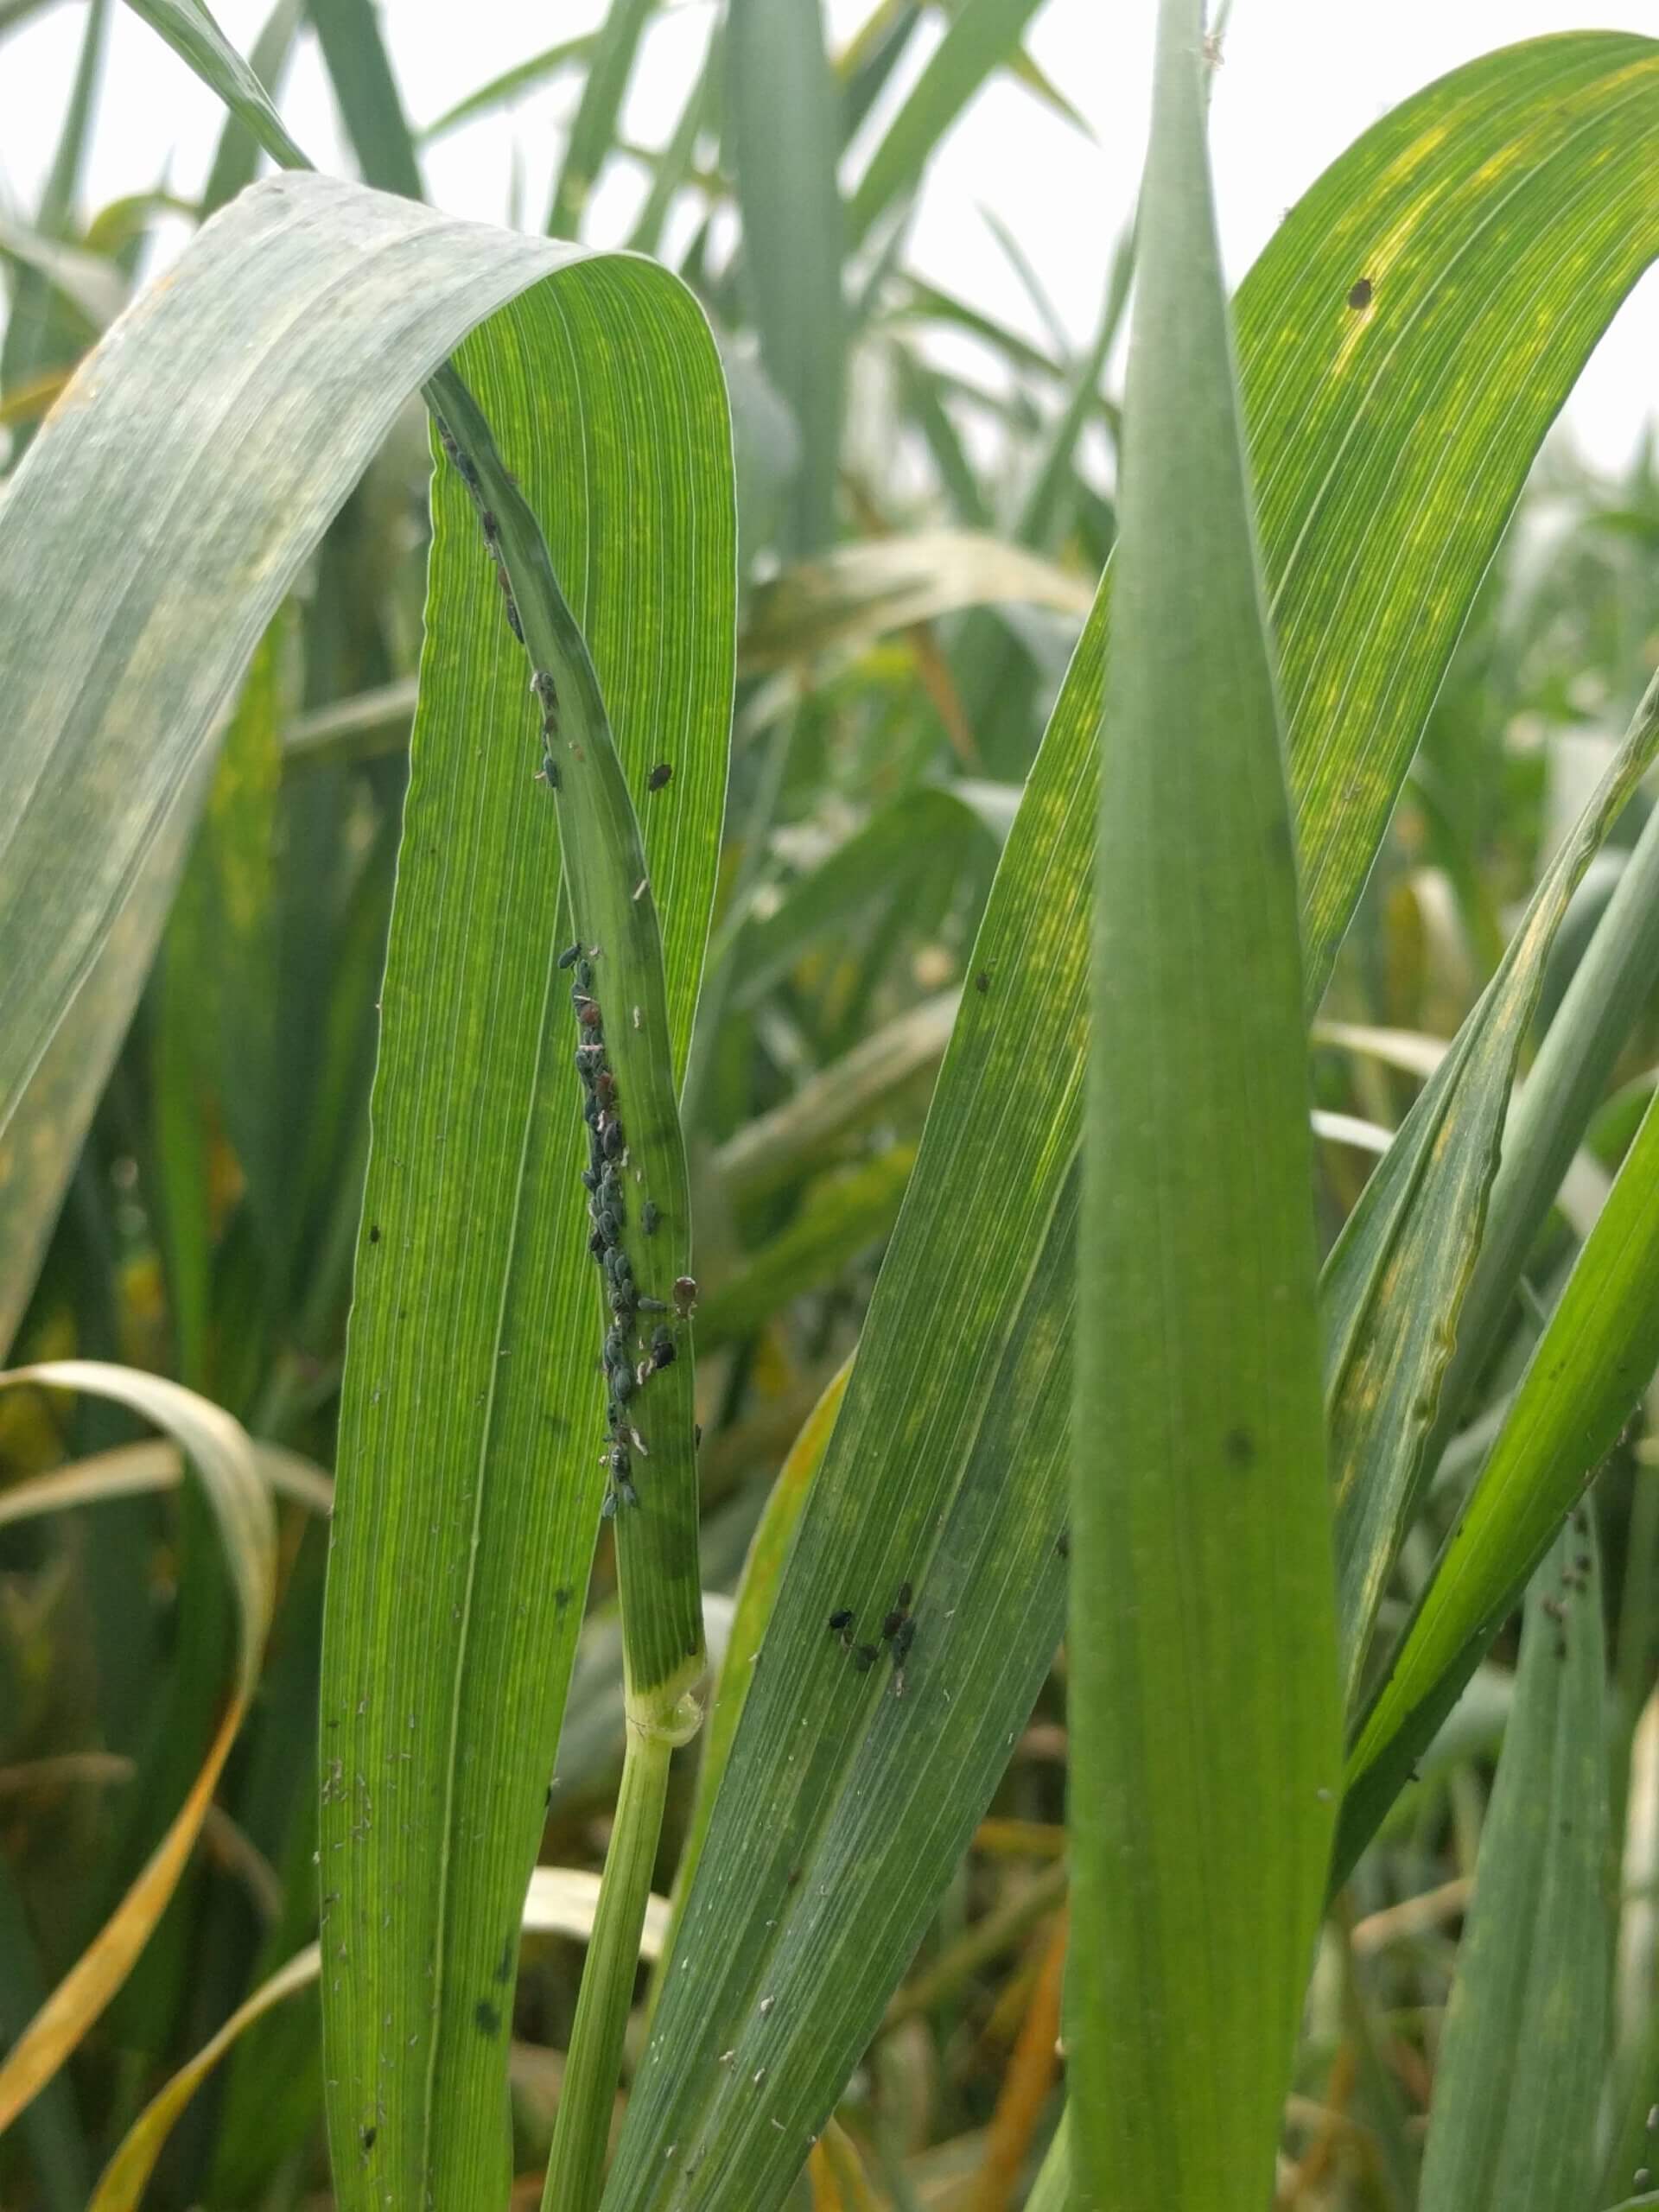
(607, 1146)
(602, 1178)
(898, 1633)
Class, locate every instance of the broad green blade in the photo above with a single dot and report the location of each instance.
(1397, 445)
(593, 133)
(474, 1410)
(1587, 1373)
(983, 35)
(371, 106)
(1394, 1286)
(1512, 2122)
(1202, 1700)
(782, 140)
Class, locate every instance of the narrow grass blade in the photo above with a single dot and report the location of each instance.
(236, 159)
(982, 36)
(1394, 1285)
(510, 84)
(947, 1467)
(1201, 1548)
(31, 342)
(782, 140)
(1513, 2123)
(218, 1451)
(593, 133)
(1590, 1368)
(673, 167)
(371, 106)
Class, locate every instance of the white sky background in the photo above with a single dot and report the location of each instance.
(1300, 80)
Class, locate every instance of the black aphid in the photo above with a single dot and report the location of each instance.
(604, 1087)
(548, 773)
(589, 1015)
(663, 1351)
(892, 1626)
(590, 1113)
(570, 956)
(618, 1461)
(607, 1506)
(983, 980)
(1361, 294)
(840, 1622)
(585, 975)
(1063, 1543)
(545, 689)
(649, 1217)
(612, 1139)
(685, 1295)
(659, 775)
(491, 526)
(904, 1636)
(617, 1265)
(514, 623)
(616, 1347)
(652, 1305)
(623, 1385)
(865, 1656)
(905, 1593)
(589, 1180)
(696, 1432)
(623, 1303)
(626, 1492)
(607, 1225)
(596, 1245)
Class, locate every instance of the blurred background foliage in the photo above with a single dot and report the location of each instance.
(926, 506)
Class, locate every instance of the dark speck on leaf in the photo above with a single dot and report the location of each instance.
(1361, 294)
(1240, 1447)
(504, 1971)
(374, 1232)
(488, 2019)
(983, 980)
(659, 775)
(366, 2137)
(561, 1598)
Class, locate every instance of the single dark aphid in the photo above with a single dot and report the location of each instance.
(366, 2137)
(696, 1436)
(615, 1347)
(1063, 1543)
(622, 1383)
(589, 1180)
(652, 1305)
(611, 1138)
(590, 1112)
(839, 1622)
(467, 466)
(607, 1225)
(649, 1217)
(685, 1295)
(584, 974)
(611, 1191)
(589, 1015)
(623, 1303)
(1361, 294)
(663, 1351)
(983, 980)
(865, 1656)
(374, 1233)
(570, 956)
(618, 1461)
(626, 1492)
(514, 623)
(548, 773)
(905, 1593)
(659, 775)
(607, 1512)
(892, 1625)
(617, 1266)
(545, 689)
(904, 1636)
(491, 526)
(604, 1087)
(596, 1245)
